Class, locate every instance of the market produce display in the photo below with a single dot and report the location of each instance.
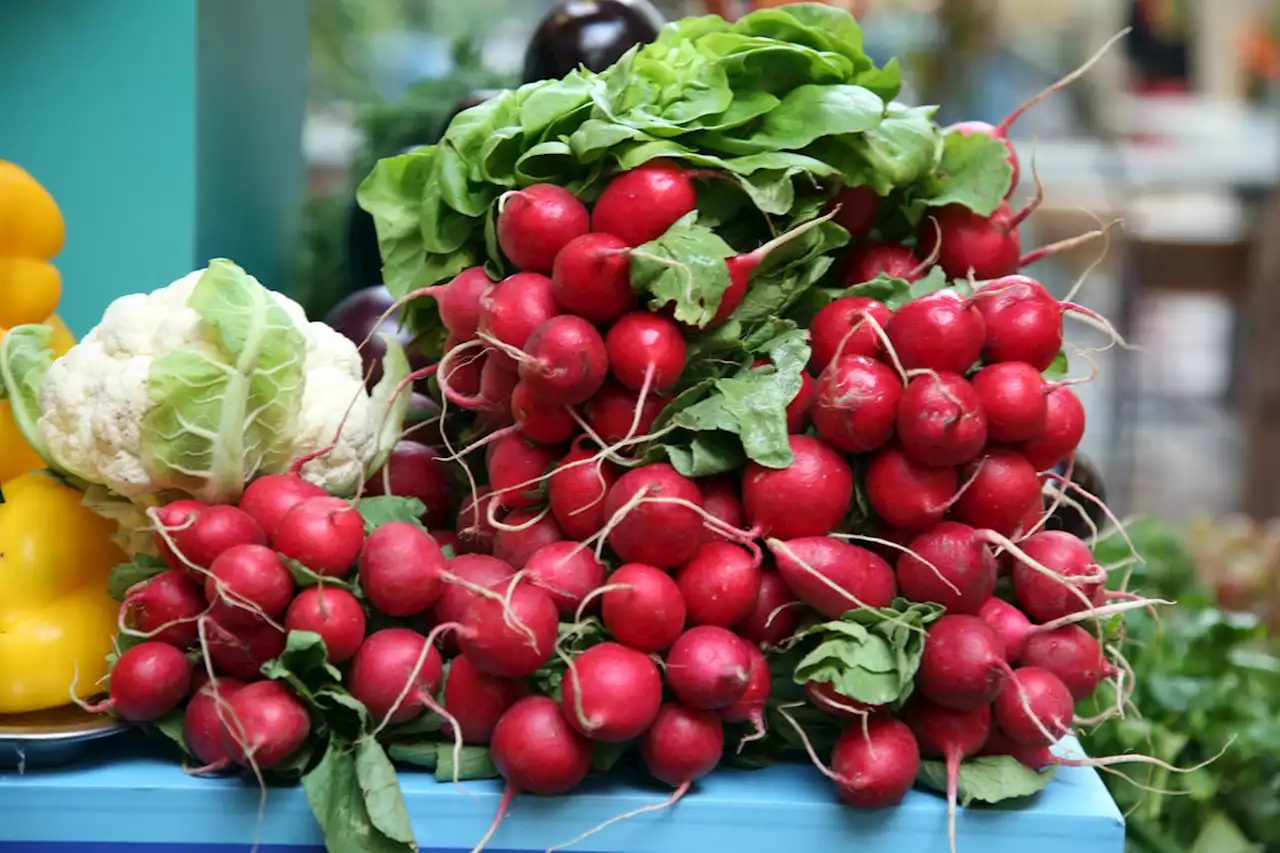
(765, 417)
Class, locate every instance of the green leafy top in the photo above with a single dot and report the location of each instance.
(989, 779)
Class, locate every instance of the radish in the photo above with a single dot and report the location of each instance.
(400, 569)
(474, 530)
(985, 247)
(1013, 396)
(823, 696)
(512, 308)
(683, 745)
(963, 665)
(856, 405)
(517, 546)
(576, 492)
(719, 584)
(267, 499)
(567, 571)
(414, 471)
(952, 736)
(639, 205)
(459, 373)
(856, 209)
(611, 693)
(459, 301)
(166, 607)
(512, 637)
(720, 500)
(1073, 655)
(642, 342)
(515, 467)
(751, 704)
(475, 570)
(1024, 322)
(146, 682)
(662, 523)
(323, 534)
(242, 651)
(643, 608)
(940, 421)
(245, 582)
(200, 533)
(535, 223)
(564, 361)
(334, 614)
(1002, 489)
(267, 724)
(773, 616)
(708, 667)
(476, 700)
(1060, 432)
(447, 538)
(950, 565)
(876, 763)
(905, 493)
(1079, 581)
(203, 724)
(800, 409)
(541, 422)
(1034, 708)
(537, 751)
(870, 260)
(1010, 624)
(844, 326)
(809, 497)
(833, 577)
(611, 413)
(942, 331)
(385, 664)
(592, 278)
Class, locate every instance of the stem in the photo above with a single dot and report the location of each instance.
(665, 804)
(1066, 245)
(1002, 129)
(446, 390)
(503, 804)
(1021, 216)
(762, 252)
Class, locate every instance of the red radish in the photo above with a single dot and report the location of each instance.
(567, 571)
(537, 751)
(773, 616)
(459, 373)
(877, 764)
(870, 260)
(833, 577)
(514, 466)
(682, 745)
(856, 209)
(940, 421)
(720, 499)
(385, 663)
(415, 471)
(476, 700)
(823, 695)
(476, 570)
(592, 278)
(323, 534)
(475, 532)
(907, 494)
(963, 665)
(1073, 655)
(1024, 322)
(986, 246)
(653, 532)
(800, 409)
(842, 326)
(517, 546)
(1034, 708)
(1012, 394)
(942, 331)
(1010, 624)
(611, 693)
(267, 499)
(459, 302)
(241, 652)
(535, 223)
(203, 723)
(1045, 598)
(1002, 489)
(147, 682)
(719, 584)
(643, 608)
(809, 497)
(245, 582)
(565, 360)
(576, 492)
(642, 340)
(202, 532)
(334, 614)
(266, 725)
(952, 736)
(511, 309)
(541, 422)
(751, 704)
(498, 379)
(1060, 433)
(166, 608)
(512, 638)
(857, 403)
(612, 412)
(446, 538)
(400, 569)
(900, 536)
(639, 205)
(948, 564)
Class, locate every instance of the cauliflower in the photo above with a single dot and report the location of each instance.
(202, 385)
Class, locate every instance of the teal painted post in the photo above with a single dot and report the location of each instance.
(169, 131)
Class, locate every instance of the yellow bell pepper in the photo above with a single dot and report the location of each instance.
(16, 456)
(55, 615)
(32, 232)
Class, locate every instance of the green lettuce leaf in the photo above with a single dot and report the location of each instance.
(389, 402)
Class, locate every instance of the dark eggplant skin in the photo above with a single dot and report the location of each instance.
(354, 318)
(1087, 476)
(590, 33)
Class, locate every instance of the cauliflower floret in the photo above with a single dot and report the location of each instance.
(335, 377)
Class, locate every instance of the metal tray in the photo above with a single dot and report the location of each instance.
(53, 737)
